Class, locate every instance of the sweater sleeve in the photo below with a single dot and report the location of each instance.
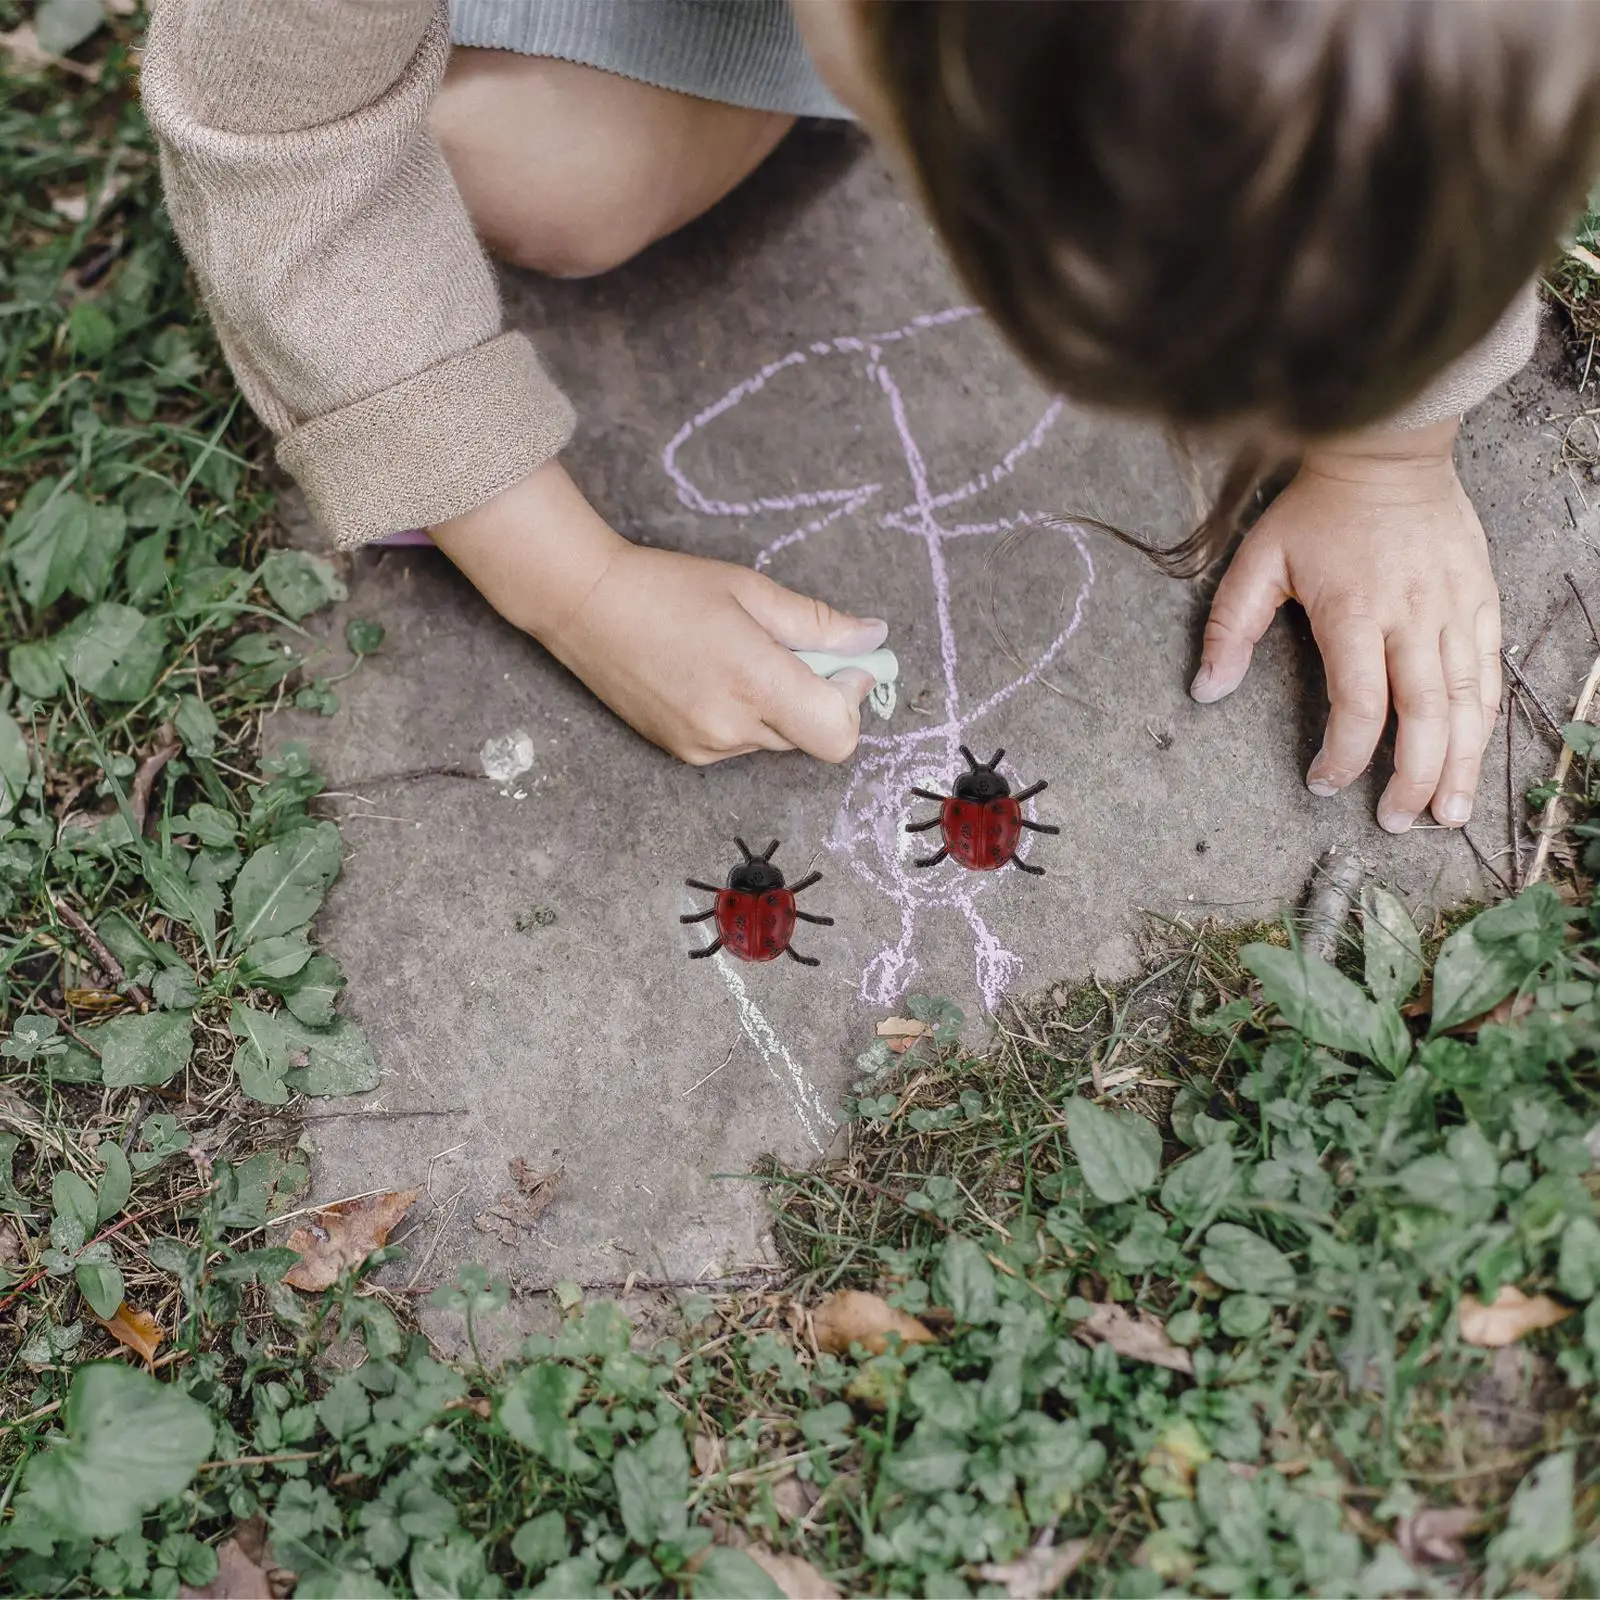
(336, 257)
(1477, 374)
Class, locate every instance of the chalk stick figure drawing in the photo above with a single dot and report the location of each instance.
(868, 830)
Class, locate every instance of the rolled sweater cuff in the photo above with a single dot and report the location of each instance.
(432, 447)
(1476, 375)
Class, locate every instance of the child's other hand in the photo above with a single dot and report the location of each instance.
(1377, 540)
(694, 654)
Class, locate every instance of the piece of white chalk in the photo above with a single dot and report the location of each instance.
(881, 664)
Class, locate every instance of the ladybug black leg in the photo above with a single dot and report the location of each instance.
(1022, 866)
(1040, 827)
(806, 916)
(933, 860)
(1031, 790)
(699, 916)
(708, 888)
(710, 950)
(928, 794)
(922, 827)
(806, 882)
(805, 961)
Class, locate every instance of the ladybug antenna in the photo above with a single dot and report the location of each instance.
(972, 760)
(744, 849)
(994, 760)
(767, 854)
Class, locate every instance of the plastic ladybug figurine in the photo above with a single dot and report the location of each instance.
(982, 820)
(756, 913)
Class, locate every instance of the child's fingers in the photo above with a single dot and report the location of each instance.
(1452, 800)
(1422, 707)
(800, 623)
(1486, 639)
(1254, 586)
(1358, 699)
(821, 716)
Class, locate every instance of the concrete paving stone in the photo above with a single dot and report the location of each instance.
(794, 382)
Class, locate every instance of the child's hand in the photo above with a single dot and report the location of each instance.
(1379, 543)
(694, 654)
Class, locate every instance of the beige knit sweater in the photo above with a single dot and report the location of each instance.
(338, 262)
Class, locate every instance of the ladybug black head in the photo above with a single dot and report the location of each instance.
(982, 782)
(756, 873)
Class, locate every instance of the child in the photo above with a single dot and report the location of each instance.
(1303, 229)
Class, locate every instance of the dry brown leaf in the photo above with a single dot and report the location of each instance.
(343, 1236)
(707, 1454)
(92, 999)
(10, 1244)
(900, 1033)
(1435, 1535)
(853, 1316)
(1512, 1316)
(519, 1209)
(137, 1329)
(238, 1578)
(798, 1579)
(22, 45)
(167, 745)
(1039, 1572)
(793, 1497)
(1136, 1335)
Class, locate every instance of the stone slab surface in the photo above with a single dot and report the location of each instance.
(793, 382)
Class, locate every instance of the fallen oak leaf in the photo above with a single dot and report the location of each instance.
(136, 1329)
(520, 1208)
(852, 1316)
(343, 1236)
(1434, 1535)
(900, 1033)
(798, 1579)
(1136, 1335)
(1039, 1571)
(238, 1578)
(1512, 1315)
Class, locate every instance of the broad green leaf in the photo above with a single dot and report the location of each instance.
(340, 1060)
(277, 959)
(193, 903)
(1239, 1259)
(149, 1051)
(101, 1285)
(1243, 1316)
(175, 990)
(652, 1482)
(1494, 954)
(1200, 1186)
(535, 1409)
(47, 551)
(131, 1445)
(210, 825)
(930, 1462)
(964, 1280)
(1578, 1273)
(541, 1541)
(114, 652)
(116, 1185)
(1118, 1151)
(145, 571)
(315, 990)
(71, 1197)
(15, 766)
(1538, 1526)
(281, 886)
(107, 527)
(36, 669)
(62, 25)
(1391, 947)
(728, 1574)
(262, 1057)
(196, 726)
(363, 637)
(93, 333)
(300, 582)
(1583, 738)
(1313, 997)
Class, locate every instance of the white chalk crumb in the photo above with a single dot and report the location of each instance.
(507, 758)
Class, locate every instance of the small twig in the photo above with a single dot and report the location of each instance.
(109, 964)
(447, 771)
(1484, 862)
(1583, 605)
(1532, 693)
(260, 1461)
(1547, 821)
(1513, 818)
(714, 1071)
(1335, 888)
(741, 1280)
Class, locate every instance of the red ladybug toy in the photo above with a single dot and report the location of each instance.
(982, 820)
(756, 913)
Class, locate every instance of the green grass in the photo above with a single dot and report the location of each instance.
(1283, 1177)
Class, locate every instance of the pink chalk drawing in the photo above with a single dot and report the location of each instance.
(868, 833)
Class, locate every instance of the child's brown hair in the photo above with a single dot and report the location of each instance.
(1278, 216)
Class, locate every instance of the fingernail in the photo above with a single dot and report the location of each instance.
(1396, 821)
(1204, 688)
(868, 634)
(1321, 788)
(1453, 810)
(854, 684)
